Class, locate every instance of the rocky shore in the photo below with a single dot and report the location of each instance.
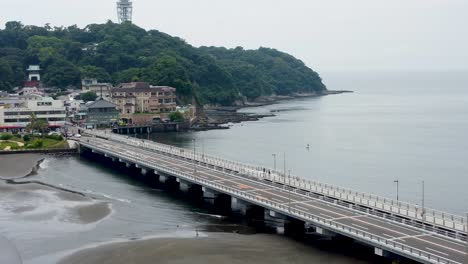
(217, 116)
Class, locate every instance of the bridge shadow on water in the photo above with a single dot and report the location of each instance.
(228, 220)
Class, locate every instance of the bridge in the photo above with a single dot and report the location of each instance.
(393, 228)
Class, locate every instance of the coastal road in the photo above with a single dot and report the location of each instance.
(412, 237)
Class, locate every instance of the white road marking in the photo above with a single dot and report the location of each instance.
(277, 200)
(362, 227)
(163, 159)
(326, 215)
(301, 207)
(436, 251)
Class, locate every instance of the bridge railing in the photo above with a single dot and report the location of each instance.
(423, 215)
(385, 243)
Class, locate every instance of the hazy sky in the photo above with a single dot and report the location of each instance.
(343, 35)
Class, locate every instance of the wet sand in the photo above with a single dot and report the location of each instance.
(18, 165)
(27, 202)
(26, 198)
(219, 248)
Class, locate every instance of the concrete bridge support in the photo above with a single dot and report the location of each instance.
(184, 185)
(209, 195)
(170, 182)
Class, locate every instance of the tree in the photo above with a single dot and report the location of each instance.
(176, 117)
(7, 77)
(88, 96)
(90, 71)
(37, 124)
(61, 74)
(124, 52)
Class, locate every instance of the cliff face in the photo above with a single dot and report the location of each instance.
(124, 52)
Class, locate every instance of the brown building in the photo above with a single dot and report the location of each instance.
(140, 97)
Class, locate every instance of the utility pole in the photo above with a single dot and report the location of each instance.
(274, 161)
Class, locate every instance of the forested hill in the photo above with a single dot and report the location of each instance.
(124, 52)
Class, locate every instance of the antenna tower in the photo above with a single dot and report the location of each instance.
(124, 10)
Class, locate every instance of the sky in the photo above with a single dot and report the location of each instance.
(328, 35)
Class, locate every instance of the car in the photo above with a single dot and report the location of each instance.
(37, 134)
(77, 136)
(53, 133)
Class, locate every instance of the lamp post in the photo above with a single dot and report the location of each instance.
(289, 193)
(284, 166)
(194, 157)
(423, 213)
(397, 190)
(274, 161)
(466, 237)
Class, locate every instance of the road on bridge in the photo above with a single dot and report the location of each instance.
(427, 242)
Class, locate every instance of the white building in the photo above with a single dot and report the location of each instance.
(34, 73)
(17, 118)
(92, 85)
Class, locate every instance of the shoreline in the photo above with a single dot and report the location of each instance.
(75, 206)
(219, 116)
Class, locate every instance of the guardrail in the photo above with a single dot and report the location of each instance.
(350, 231)
(425, 215)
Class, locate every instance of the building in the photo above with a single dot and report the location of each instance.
(100, 113)
(34, 76)
(15, 117)
(140, 97)
(92, 85)
(30, 90)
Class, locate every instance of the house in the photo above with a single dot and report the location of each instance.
(92, 85)
(100, 113)
(141, 97)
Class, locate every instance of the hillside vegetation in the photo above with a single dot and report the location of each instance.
(124, 52)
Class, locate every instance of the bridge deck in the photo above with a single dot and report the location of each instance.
(389, 233)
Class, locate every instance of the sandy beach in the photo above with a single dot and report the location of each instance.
(216, 248)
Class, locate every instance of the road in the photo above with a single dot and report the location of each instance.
(412, 237)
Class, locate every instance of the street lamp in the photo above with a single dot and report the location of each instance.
(194, 157)
(289, 192)
(274, 161)
(284, 164)
(397, 190)
(466, 237)
(423, 213)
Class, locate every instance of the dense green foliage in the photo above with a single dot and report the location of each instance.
(124, 52)
(176, 116)
(88, 96)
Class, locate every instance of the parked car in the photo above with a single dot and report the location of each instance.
(77, 135)
(53, 133)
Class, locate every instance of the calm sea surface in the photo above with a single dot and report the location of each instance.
(407, 127)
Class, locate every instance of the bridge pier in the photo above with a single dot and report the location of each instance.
(184, 185)
(209, 195)
(170, 182)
